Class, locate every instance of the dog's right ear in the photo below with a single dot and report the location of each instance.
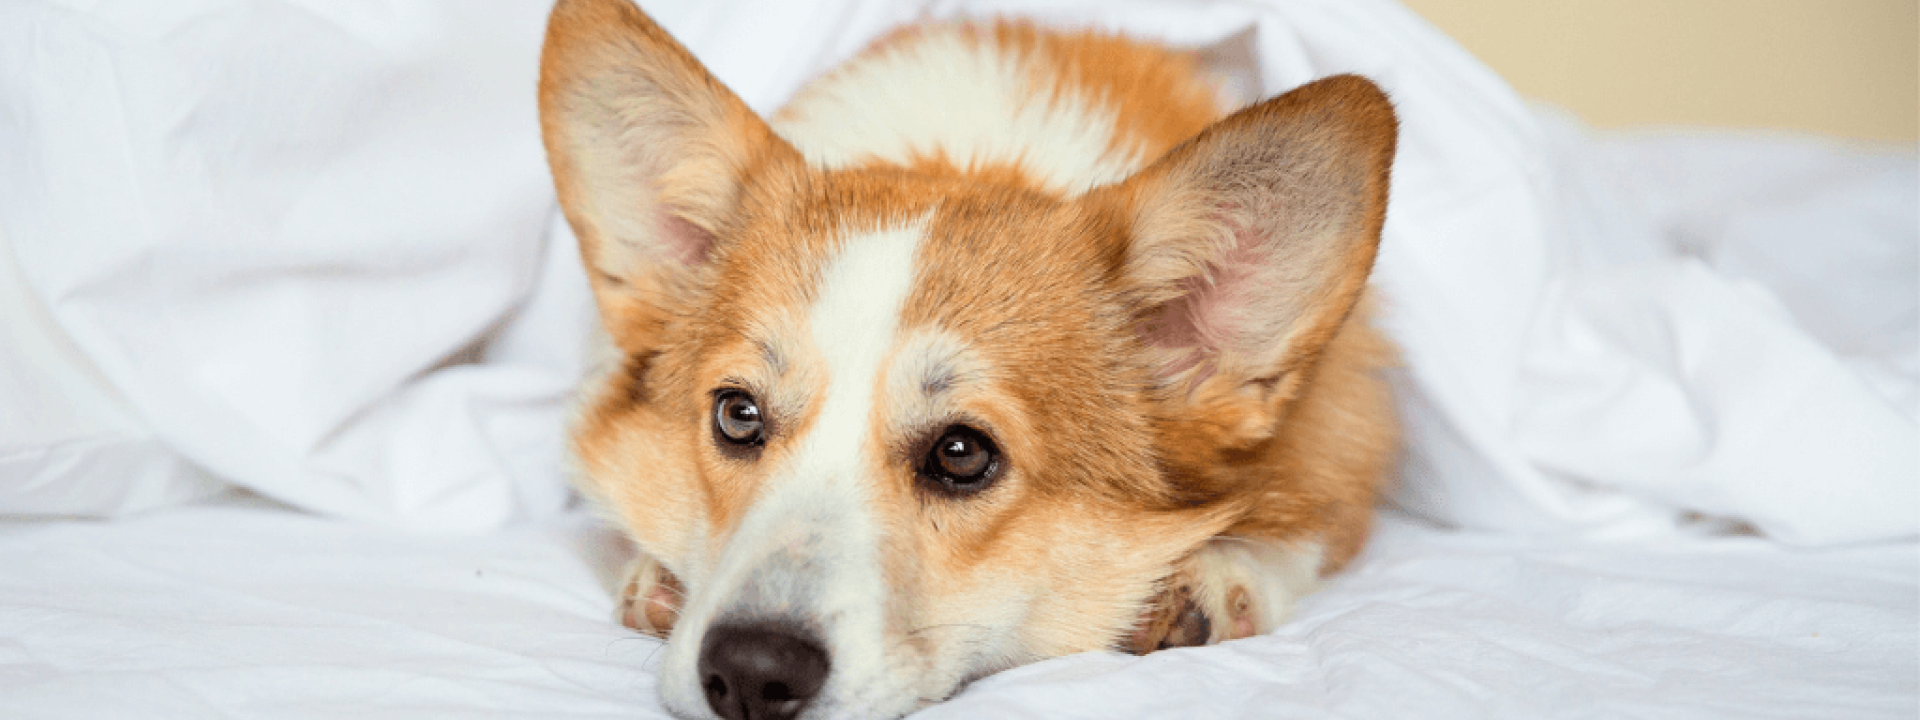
(650, 155)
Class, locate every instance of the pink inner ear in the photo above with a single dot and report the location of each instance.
(1208, 316)
(683, 241)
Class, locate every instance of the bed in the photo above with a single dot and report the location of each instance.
(289, 324)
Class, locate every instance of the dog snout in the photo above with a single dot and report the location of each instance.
(759, 671)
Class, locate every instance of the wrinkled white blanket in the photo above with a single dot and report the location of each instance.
(309, 249)
(244, 612)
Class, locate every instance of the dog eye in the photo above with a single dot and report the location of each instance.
(736, 418)
(961, 461)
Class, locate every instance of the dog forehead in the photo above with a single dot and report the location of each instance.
(862, 288)
(1008, 259)
(829, 264)
(909, 287)
(825, 355)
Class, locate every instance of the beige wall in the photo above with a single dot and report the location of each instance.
(1842, 67)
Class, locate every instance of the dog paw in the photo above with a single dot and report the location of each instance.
(1227, 590)
(649, 597)
(1172, 619)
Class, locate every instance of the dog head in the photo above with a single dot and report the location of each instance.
(895, 429)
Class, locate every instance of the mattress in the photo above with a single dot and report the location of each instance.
(239, 608)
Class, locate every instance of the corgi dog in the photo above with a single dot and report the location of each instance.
(995, 344)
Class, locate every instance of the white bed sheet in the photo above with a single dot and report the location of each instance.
(241, 609)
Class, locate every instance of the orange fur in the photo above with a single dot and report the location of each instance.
(1124, 454)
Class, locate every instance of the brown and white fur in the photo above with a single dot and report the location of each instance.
(1153, 315)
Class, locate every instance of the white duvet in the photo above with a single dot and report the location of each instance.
(1661, 391)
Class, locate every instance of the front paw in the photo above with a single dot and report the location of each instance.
(1228, 589)
(649, 597)
(1172, 619)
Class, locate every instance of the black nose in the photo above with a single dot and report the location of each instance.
(760, 671)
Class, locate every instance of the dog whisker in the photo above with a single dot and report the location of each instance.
(943, 626)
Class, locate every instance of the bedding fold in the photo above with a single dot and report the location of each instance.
(311, 250)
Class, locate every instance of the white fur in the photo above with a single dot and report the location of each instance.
(968, 98)
(853, 325)
(809, 547)
(1276, 575)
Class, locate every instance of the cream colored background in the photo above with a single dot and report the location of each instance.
(1841, 67)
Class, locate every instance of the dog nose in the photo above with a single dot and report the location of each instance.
(760, 672)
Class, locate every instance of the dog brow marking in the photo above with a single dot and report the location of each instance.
(939, 379)
(775, 362)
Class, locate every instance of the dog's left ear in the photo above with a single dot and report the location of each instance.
(1249, 246)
